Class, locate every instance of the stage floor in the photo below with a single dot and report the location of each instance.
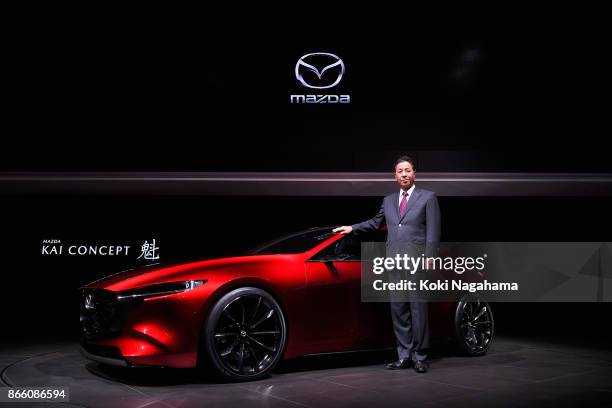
(515, 373)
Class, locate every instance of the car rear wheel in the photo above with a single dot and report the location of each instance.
(474, 325)
(245, 334)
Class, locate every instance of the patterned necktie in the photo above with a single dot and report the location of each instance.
(403, 204)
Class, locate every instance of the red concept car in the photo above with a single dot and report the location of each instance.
(295, 296)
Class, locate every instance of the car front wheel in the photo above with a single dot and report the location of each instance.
(245, 334)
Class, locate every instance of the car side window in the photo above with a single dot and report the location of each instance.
(346, 249)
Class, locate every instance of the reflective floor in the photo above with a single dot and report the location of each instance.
(515, 373)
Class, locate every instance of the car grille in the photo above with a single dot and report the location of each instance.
(102, 314)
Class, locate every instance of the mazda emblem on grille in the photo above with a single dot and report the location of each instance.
(89, 302)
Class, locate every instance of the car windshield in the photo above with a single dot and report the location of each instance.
(295, 243)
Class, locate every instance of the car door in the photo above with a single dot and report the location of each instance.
(333, 277)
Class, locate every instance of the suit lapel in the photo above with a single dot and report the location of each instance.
(411, 200)
(396, 204)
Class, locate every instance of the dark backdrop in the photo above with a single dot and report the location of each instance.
(141, 90)
(515, 90)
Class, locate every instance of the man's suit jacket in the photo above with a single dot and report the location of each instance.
(419, 225)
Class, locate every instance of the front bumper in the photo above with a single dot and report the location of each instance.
(161, 331)
(110, 356)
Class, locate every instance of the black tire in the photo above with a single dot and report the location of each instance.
(245, 335)
(474, 325)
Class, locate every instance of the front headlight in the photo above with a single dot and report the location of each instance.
(160, 289)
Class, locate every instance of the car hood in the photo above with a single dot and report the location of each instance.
(205, 269)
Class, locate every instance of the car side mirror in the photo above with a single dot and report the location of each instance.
(324, 260)
(343, 257)
(337, 258)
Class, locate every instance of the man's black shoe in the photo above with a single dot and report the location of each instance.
(420, 367)
(400, 364)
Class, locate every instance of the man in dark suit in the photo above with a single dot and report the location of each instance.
(412, 216)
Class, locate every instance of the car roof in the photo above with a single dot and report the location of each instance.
(326, 233)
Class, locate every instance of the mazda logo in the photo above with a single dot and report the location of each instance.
(89, 304)
(319, 70)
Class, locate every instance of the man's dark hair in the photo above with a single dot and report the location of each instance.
(404, 159)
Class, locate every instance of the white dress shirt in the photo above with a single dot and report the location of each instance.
(410, 190)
